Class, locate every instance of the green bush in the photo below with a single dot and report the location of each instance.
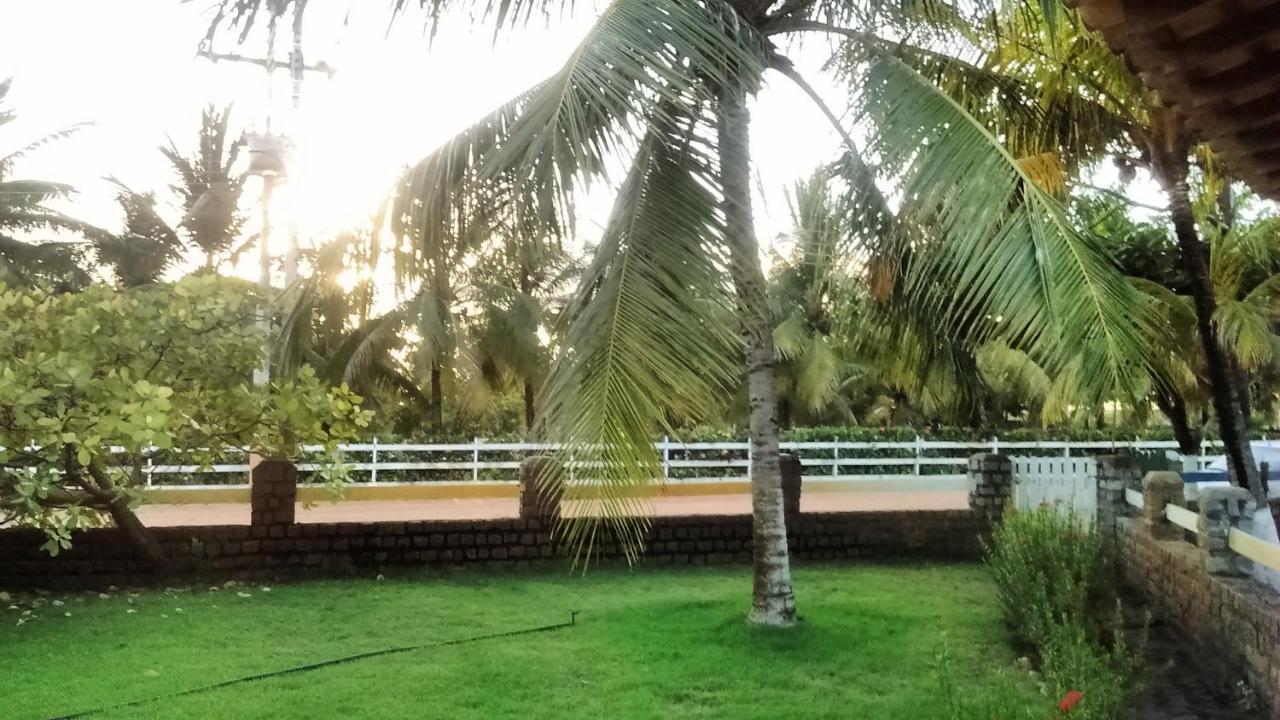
(1056, 583)
(1047, 566)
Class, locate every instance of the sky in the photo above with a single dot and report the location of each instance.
(130, 69)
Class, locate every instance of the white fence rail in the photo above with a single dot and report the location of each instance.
(1243, 543)
(935, 464)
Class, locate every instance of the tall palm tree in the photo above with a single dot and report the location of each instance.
(664, 85)
(1061, 99)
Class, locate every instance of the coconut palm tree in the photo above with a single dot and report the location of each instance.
(208, 188)
(804, 286)
(329, 324)
(146, 248)
(517, 288)
(665, 87)
(1062, 101)
(24, 210)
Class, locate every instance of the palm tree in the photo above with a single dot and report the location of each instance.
(812, 364)
(146, 248)
(664, 85)
(329, 324)
(207, 188)
(517, 288)
(24, 209)
(1061, 100)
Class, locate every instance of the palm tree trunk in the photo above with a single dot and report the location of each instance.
(772, 599)
(529, 395)
(437, 399)
(1175, 410)
(1169, 152)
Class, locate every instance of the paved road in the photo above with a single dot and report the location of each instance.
(483, 509)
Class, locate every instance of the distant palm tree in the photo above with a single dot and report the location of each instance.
(208, 188)
(24, 211)
(804, 287)
(330, 326)
(146, 248)
(663, 85)
(517, 287)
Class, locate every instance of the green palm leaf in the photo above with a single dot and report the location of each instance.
(642, 344)
(1011, 265)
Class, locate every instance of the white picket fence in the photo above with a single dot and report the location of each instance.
(919, 464)
(1068, 484)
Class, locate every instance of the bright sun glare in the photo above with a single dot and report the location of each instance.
(395, 96)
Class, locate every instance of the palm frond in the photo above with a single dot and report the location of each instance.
(644, 61)
(642, 345)
(1003, 261)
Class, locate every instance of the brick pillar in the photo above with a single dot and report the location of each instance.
(791, 475)
(1160, 489)
(990, 485)
(1220, 510)
(274, 490)
(539, 500)
(1116, 473)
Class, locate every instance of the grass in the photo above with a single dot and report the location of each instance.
(648, 644)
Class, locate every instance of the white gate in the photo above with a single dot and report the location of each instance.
(1067, 483)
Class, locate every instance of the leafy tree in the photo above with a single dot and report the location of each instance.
(94, 383)
(663, 85)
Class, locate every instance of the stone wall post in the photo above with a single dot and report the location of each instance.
(990, 485)
(791, 470)
(1116, 473)
(538, 500)
(273, 492)
(1160, 489)
(1220, 510)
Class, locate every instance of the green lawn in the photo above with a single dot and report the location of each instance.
(648, 644)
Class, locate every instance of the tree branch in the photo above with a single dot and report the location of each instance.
(784, 66)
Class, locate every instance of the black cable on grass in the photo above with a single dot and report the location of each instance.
(573, 620)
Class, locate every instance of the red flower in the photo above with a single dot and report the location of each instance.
(1071, 699)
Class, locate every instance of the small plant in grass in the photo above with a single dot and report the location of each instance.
(1093, 679)
(1004, 702)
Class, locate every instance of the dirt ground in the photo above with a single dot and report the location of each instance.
(483, 509)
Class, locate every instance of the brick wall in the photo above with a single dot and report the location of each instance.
(1233, 618)
(101, 557)
(1189, 581)
(274, 546)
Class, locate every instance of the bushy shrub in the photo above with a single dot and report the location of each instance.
(1055, 580)
(1047, 566)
